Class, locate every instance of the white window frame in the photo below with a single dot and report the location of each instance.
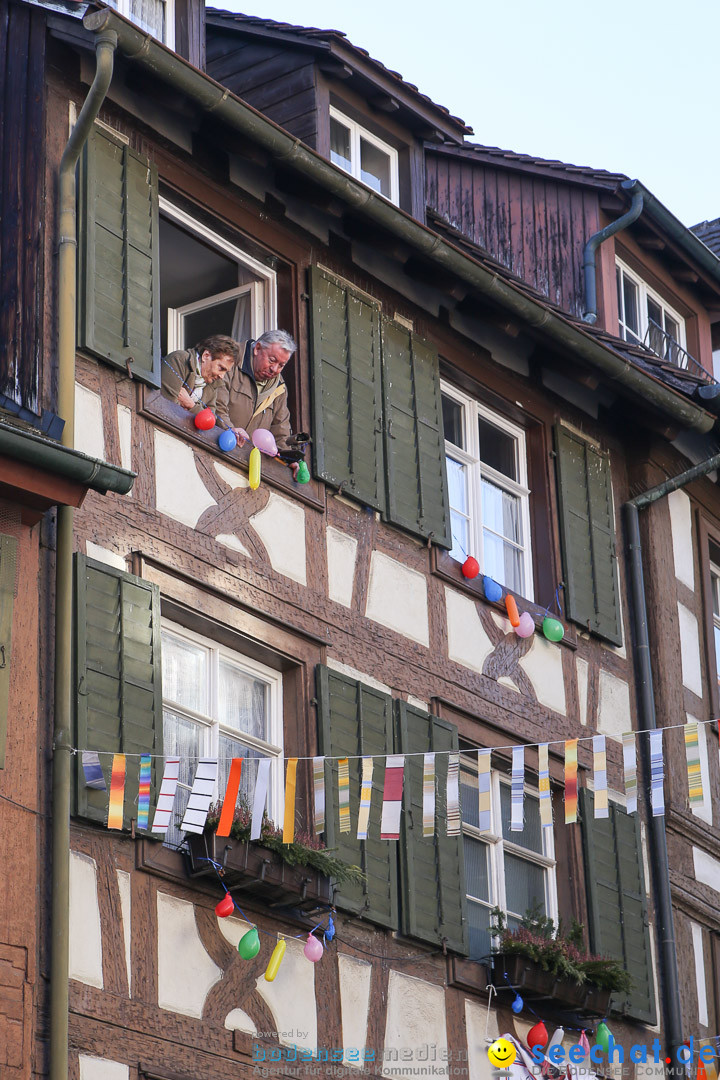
(497, 846)
(715, 593)
(644, 291)
(356, 133)
(211, 726)
(470, 456)
(123, 7)
(263, 293)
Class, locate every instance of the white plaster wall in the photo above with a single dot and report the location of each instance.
(123, 880)
(186, 973)
(690, 650)
(707, 868)
(703, 811)
(543, 666)
(231, 476)
(468, 644)
(237, 1020)
(582, 684)
(355, 976)
(281, 527)
(85, 934)
(92, 1068)
(180, 493)
(124, 419)
(415, 1021)
(104, 555)
(291, 997)
(417, 702)
(353, 673)
(477, 1017)
(700, 977)
(397, 598)
(614, 716)
(681, 527)
(89, 431)
(341, 557)
(231, 541)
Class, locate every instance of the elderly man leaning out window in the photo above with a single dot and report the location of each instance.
(193, 377)
(254, 394)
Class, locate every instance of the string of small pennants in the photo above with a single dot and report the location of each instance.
(206, 776)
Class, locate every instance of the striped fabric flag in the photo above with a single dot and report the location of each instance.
(262, 782)
(93, 770)
(144, 791)
(517, 790)
(344, 794)
(571, 788)
(546, 818)
(319, 794)
(630, 770)
(657, 773)
(453, 795)
(201, 796)
(600, 777)
(392, 797)
(365, 797)
(117, 792)
(484, 758)
(696, 795)
(230, 801)
(290, 789)
(428, 795)
(166, 798)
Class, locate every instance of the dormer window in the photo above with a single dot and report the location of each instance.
(645, 318)
(157, 17)
(363, 155)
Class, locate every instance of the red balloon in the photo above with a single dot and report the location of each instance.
(205, 419)
(470, 568)
(225, 906)
(537, 1036)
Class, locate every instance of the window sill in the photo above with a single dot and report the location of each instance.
(448, 569)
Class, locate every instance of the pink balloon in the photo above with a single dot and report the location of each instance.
(313, 948)
(265, 441)
(526, 626)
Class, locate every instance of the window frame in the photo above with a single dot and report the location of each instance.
(123, 7)
(645, 292)
(470, 456)
(358, 132)
(709, 534)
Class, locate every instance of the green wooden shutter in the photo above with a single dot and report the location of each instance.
(432, 869)
(118, 679)
(119, 309)
(347, 396)
(8, 555)
(617, 904)
(414, 444)
(588, 536)
(357, 719)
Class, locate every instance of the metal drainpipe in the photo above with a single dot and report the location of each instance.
(636, 207)
(647, 721)
(105, 45)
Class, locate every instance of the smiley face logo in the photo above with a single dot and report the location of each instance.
(502, 1053)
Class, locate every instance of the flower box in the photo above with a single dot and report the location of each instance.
(529, 979)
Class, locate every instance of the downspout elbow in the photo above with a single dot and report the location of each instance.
(589, 273)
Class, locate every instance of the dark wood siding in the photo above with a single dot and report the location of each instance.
(535, 227)
(22, 140)
(278, 81)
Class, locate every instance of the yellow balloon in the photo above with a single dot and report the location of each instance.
(278, 953)
(254, 468)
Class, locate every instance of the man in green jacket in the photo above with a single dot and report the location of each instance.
(193, 377)
(254, 394)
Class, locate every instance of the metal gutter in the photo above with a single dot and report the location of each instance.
(589, 277)
(50, 456)
(224, 106)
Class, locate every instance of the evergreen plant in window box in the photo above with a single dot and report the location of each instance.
(302, 874)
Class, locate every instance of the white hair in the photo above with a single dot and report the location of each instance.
(278, 337)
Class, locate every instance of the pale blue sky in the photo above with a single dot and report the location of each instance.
(631, 87)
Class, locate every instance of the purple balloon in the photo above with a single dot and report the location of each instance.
(526, 626)
(265, 441)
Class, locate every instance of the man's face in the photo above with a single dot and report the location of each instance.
(213, 368)
(268, 361)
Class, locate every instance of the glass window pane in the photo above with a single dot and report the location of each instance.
(531, 835)
(716, 632)
(654, 312)
(469, 810)
(181, 738)
(497, 449)
(478, 918)
(460, 536)
(150, 15)
(340, 145)
(185, 673)
(242, 701)
(228, 748)
(501, 512)
(215, 319)
(631, 307)
(477, 875)
(618, 282)
(375, 168)
(457, 485)
(714, 581)
(453, 421)
(503, 562)
(524, 886)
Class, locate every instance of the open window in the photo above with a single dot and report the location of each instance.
(363, 155)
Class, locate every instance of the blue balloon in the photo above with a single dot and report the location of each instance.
(518, 1004)
(330, 932)
(227, 440)
(493, 591)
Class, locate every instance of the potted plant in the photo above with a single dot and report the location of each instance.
(302, 874)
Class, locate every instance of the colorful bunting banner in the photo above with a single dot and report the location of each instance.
(93, 772)
(428, 795)
(571, 791)
(365, 797)
(484, 759)
(290, 789)
(657, 795)
(230, 801)
(517, 790)
(201, 796)
(453, 795)
(117, 792)
(344, 794)
(319, 794)
(262, 782)
(144, 781)
(696, 795)
(630, 770)
(392, 797)
(600, 776)
(166, 798)
(546, 818)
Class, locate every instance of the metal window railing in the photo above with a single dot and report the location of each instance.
(658, 341)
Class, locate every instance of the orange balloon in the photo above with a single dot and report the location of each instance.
(511, 608)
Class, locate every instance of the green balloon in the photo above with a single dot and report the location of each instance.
(553, 629)
(602, 1036)
(303, 474)
(249, 944)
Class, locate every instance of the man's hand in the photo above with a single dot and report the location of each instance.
(184, 399)
(241, 435)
